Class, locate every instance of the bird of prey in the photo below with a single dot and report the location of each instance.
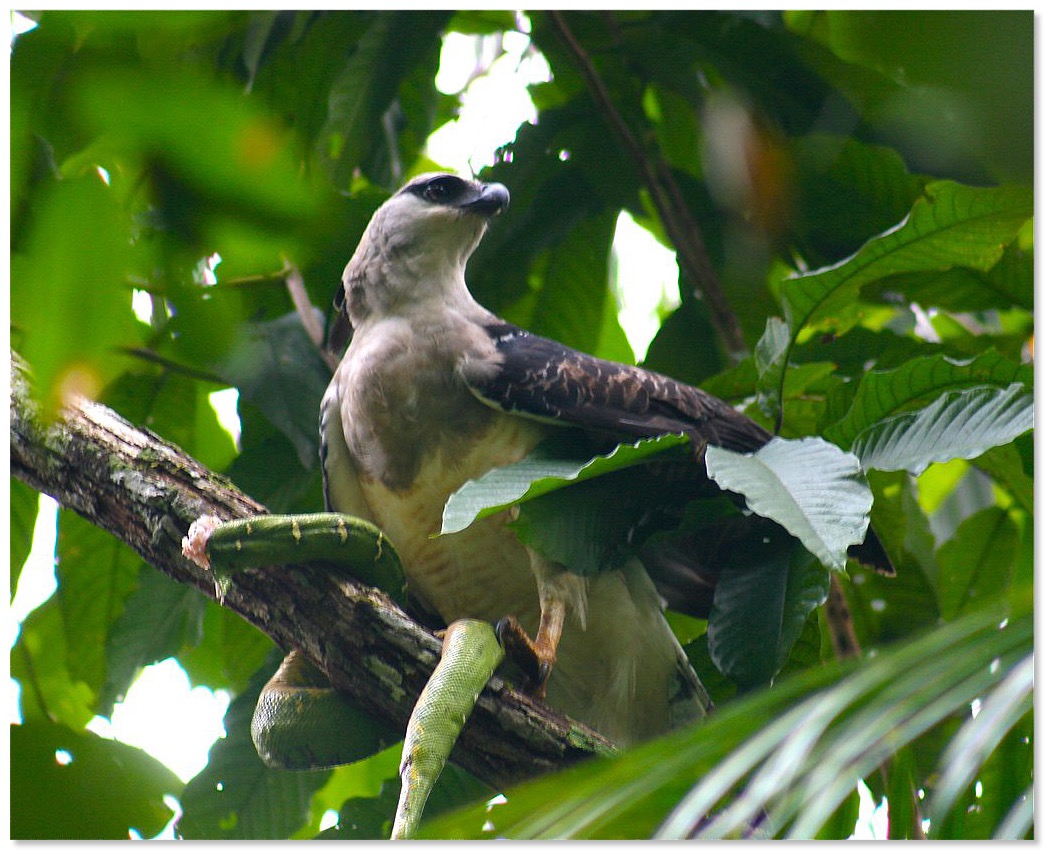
(434, 390)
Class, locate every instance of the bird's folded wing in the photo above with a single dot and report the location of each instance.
(537, 377)
(540, 378)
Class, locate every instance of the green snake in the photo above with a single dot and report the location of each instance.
(300, 722)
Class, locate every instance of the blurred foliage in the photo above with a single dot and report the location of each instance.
(862, 185)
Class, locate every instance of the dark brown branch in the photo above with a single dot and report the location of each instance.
(655, 174)
(839, 622)
(146, 492)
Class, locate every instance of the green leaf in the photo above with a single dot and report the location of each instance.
(848, 189)
(157, 620)
(474, 22)
(367, 84)
(556, 462)
(575, 305)
(39, 663)
(229, 651)
(978, 561)
(84, 272)
(103, 791)
(809, 486)
(1004, 465)
(781, 751)
(97, 575)
(269, 467)
(918, 381)
(761, 604)
(244, 161)
(770, 360)
(588, 526)
(25, 503)
(951, 225)
(277, 368)
(959, 290)
(235, 795)
(956, 425)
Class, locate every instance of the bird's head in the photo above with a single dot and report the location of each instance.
(418, 242)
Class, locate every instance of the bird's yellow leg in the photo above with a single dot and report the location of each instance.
(535, 656)
(560, 591)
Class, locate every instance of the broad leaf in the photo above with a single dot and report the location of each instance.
(159, 619)
(98, 575)
(779, 752)
(809, 486)
(555, 463)
(103, 790)
(978, 562)
(575, 305)
(770, 361)
(39, 661)
(951, 225)
(761, 604)
(916, 382)
(956, 425)
(86, 273)
(367, 84)
(235, 795)
(277, 368)
(24, 508)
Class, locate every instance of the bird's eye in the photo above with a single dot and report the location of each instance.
(442, 190)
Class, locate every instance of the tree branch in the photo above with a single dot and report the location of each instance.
(146, 492)
(666, 195)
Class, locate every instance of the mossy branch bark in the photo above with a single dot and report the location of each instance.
(146, 492)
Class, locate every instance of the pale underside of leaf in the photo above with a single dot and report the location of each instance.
(547, 468)
(956, 425)
(810, 487)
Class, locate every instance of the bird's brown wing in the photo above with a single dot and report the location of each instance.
(540, 378)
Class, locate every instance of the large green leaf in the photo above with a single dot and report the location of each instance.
(956, 425)
(792, 753)
(916, 382)
(99, 789)
(761, 604)
(39, 663)
(367, 84)
(97, 574)
(978, 562)
(235, 795)
(24, 508)
(157, 621)
(574, 304)
(555, 463)
(847, 189)
(951, 225)
(85, 274)
(809, 486)
(278, 368)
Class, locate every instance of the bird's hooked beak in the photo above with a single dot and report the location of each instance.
(492, 199)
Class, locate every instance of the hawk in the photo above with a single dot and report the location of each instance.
(434, 390)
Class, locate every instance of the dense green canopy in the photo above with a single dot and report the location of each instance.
(850, 198)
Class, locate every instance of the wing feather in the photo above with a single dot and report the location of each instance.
(544, 379)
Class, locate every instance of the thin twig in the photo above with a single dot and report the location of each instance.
(655, 174)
